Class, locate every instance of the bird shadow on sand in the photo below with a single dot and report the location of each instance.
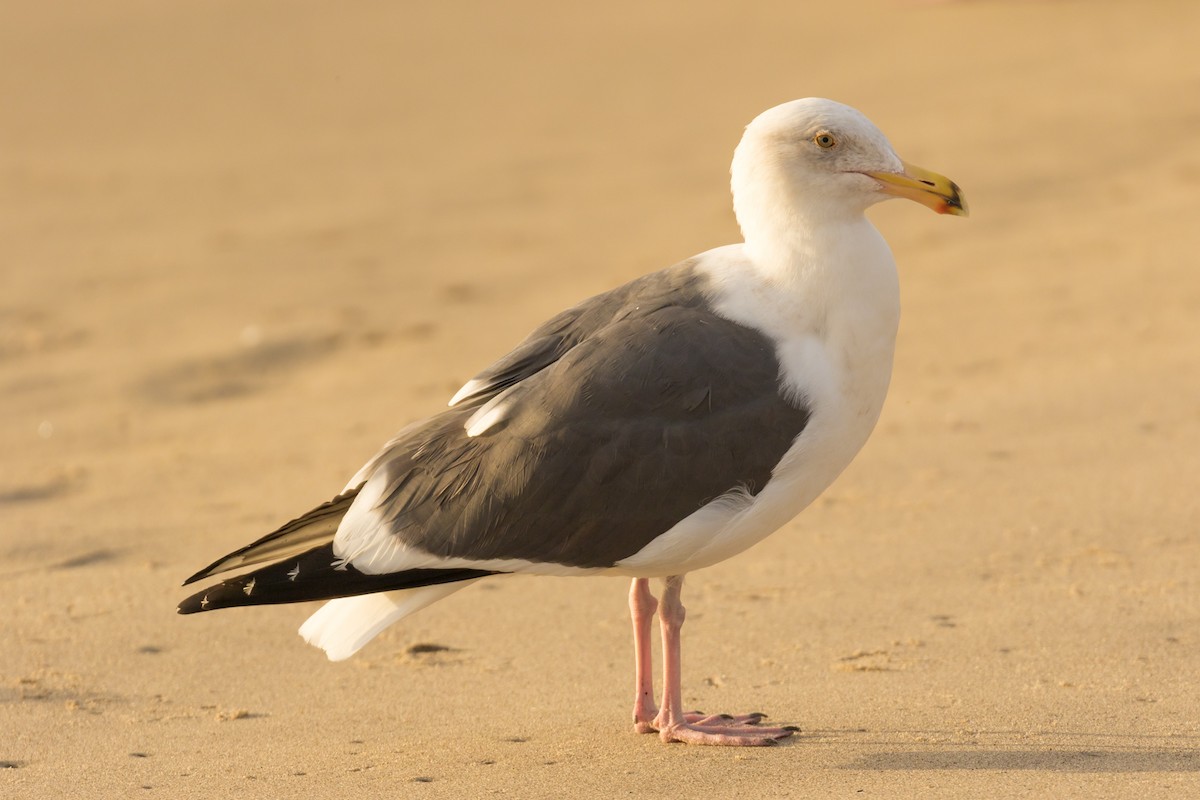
(1081, 752)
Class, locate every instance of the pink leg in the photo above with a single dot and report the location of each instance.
(672, 723)
(642, 606)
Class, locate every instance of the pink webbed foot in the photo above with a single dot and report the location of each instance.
(716, 729)
(727, 735)
(670, 723)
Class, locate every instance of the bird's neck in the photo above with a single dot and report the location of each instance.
(811, 254)
(831, 277)
(797, 250)
(791, 234)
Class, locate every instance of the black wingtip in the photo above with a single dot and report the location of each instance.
(315, 575)
(215, 567)
(296, 536)
(194, 604)
(222, 595)
(201, 574)
(186, 608)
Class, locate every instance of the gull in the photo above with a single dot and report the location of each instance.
(655, 429)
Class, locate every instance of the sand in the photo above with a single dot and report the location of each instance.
(243, 243)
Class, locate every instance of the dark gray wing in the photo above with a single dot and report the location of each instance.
(654, 407)
(553, 338)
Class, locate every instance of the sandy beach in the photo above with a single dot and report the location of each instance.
(244, 243)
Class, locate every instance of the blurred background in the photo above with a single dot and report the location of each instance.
(244, 242)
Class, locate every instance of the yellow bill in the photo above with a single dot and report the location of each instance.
(927, 188)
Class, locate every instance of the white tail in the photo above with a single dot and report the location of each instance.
(341, 627)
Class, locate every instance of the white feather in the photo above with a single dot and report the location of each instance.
(341, 627)
(485, 417)
(494, 411)
(469, 388)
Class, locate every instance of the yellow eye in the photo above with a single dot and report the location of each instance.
(825, 140)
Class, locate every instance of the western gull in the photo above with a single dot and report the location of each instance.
(658, 428)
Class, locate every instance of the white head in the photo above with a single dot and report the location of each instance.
(814, 159)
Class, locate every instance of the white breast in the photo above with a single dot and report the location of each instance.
(834, 326)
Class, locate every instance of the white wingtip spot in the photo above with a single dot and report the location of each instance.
(469, 388)
(249, 587)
